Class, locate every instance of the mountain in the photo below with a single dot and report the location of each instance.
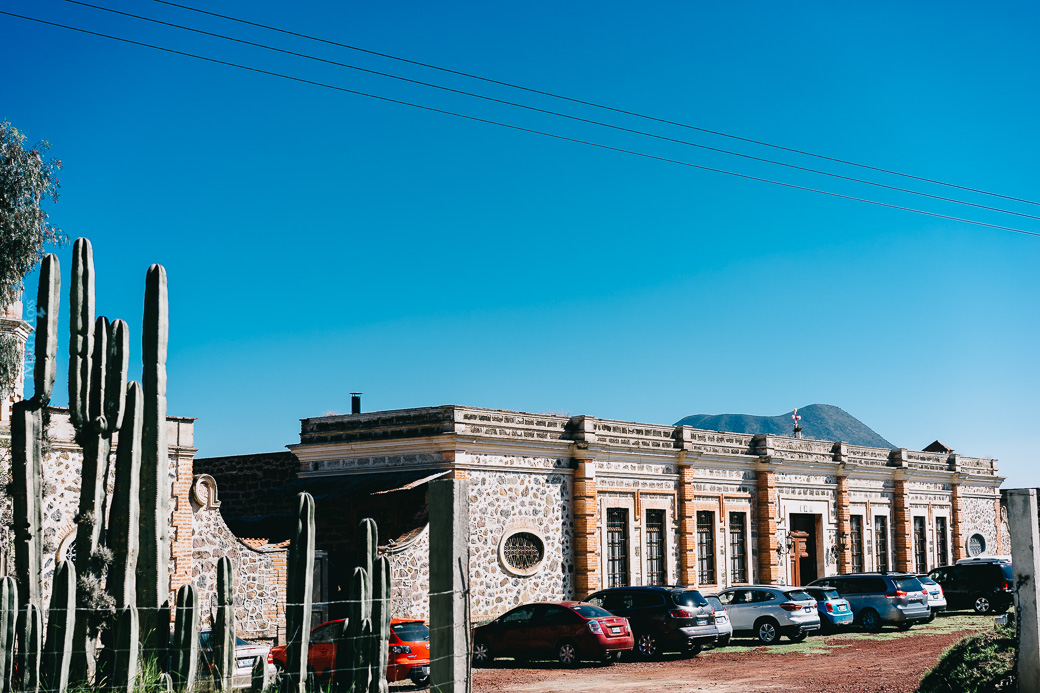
(819, 422)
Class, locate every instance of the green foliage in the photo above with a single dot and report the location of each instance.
(10, 365)
(27, 179)
(980, 663)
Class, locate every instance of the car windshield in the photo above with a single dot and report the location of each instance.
(798, 596)
(689, 598)
(412, 631)
(590, 611)
(908, 584)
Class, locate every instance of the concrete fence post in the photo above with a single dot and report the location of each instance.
(1025, 558)
(449, 586)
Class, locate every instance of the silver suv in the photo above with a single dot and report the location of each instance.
(877, 599)
(769, 611)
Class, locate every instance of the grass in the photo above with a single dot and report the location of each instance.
(816, 645)
(980, 663)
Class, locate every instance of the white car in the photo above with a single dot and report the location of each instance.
(936, 598)
(721, 620)
(769, 611)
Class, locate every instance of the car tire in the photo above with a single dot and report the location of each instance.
(931, 615)
(567, 653)
(982, 604)
(799, 637)
(646, 646)
(693, 650)
(723, 641)
(612, 657)
(482, 655)
(767, 631)
(870, 620)
(904, 626)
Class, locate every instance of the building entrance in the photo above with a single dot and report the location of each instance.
(804, 548)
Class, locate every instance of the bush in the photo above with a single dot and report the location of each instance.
(979, 663)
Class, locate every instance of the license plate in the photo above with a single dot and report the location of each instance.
(701, 622)
(615, 629)
(245, 661)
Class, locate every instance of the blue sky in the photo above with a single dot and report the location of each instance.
(320, 242)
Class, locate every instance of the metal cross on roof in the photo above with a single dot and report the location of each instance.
(797, 424)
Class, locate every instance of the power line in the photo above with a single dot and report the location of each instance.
(518, 127)
(598, 105)
(555, 113)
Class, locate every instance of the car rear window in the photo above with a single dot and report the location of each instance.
(1008, 574)
(688, 598)
(413, 631)
(925, 580)
(823, 594)
(908, 584)
(590, 611)
(798, 595)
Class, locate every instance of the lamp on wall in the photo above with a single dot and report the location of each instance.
(784, 544)
(843, 541)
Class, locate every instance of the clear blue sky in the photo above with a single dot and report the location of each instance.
(319, 242)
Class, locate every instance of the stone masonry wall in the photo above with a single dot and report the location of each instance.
(980, 517)
(410, 576)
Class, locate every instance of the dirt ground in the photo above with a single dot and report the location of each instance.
(888, 662)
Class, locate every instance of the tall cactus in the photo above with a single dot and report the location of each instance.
(57, 654)
(185, 651)
(127, 651)
(363, 650)
(299, 590)
(30, 647)
(8, 623)
(125, 516)
(154, 584)
(224, 626)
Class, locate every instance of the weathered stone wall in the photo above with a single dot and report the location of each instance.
(260, 573)
(410, 576)
(980, 517)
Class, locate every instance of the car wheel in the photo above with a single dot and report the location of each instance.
(799, 637)
(421, 681)
(723, 641)
(567, 653)
(904, 626)
(482, 656)
(982, 604)
(931, 615)
(870, 620)
(767, 631)
(612, 657)
(646, 645)
(694, 650)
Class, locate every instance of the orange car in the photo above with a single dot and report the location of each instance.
(409, 651)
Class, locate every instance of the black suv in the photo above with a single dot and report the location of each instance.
(983, 584)
(663, 619)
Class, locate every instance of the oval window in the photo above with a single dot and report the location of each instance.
(976, 545)
(522, 552)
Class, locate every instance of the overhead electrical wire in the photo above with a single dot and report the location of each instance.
(518, 127)
(554, 113)
(594, 104)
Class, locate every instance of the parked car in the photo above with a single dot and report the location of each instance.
(983, 584)
(834, 610)
(246, 654)
(769, 611)
(721, 620)
(664, 619)
(409, 651)
(567, 631)
(936, 598)
(879, 599)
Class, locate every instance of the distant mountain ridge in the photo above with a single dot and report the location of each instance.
(819, 422)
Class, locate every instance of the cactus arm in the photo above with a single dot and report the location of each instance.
(57, 653)
(224, 626)
(380, 655)
(30, 646)
(27, 515)
(81, 330)
(125, 516)
(185, 655)
(118, 358)
(47, 300)
(124, 670)
(261, 681)
(154, 584)
(299, 590)
(8, 628)
(359, 614)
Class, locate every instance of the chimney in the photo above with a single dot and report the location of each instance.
(355, 402)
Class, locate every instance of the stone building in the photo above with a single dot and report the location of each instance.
(561, 506)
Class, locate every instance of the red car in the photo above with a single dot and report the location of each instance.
(567, 631)
(409, 651)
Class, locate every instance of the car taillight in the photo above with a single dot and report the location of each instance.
(270, 656)
(830, 607)
(681, 613)
(790, 606)
(400, 649)
(595, 627)
(1007, 586)
(897, 594)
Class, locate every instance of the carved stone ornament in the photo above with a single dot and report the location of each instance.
(521, 550)
(204, 491)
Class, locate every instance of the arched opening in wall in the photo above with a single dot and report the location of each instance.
(521, 551)
(67, 548)
(976, 545)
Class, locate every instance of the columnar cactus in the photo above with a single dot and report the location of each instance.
(127, 650)
(364, 649)
(185, 650)
(30, 647)
(261, 680)
(299, 589)
(224, 626)
(8, 623)
(125, 516)
(61, 621)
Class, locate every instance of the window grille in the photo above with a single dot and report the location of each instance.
(942, 550)
(617, 547)
(737, 547)
(976, 545)
(705, 547)
(920, 545)
(856, 543)
(523, 551)
(881, 543)
(655, 572)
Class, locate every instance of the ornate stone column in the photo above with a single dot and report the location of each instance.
(765, 515)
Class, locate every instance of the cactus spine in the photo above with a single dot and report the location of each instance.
(153, 586)
(185, 655)
(57, 654)
(8, 624)
(224, 626)
(299, 588)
